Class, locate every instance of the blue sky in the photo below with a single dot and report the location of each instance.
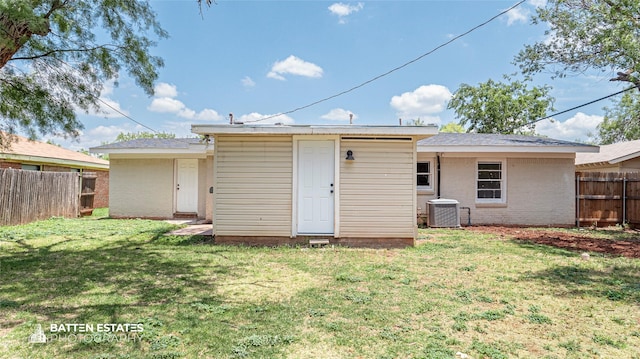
(260, 58)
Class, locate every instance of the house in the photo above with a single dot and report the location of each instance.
(501, 179)
(618, 157)
(160, 178)
(352, 185)
(347, 185)
(26, 154)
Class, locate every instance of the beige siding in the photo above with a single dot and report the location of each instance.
(540, 191)
(377, 189)
(253, 186)
(141, 188)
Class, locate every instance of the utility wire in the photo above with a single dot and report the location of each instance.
(577, 107)
(394, 69)
(110, 106)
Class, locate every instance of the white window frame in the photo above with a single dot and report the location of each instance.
(430, 174)
(503, 180)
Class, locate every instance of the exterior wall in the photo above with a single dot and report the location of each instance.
(253, 186)
(540, 191)
(141, 188)
(101, 198)
(377, 189)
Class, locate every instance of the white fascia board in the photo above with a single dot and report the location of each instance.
(422, 131)
(193, 149)
(502, 149)
(624, 158)
(55, 161)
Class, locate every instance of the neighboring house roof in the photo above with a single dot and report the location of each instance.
(155, 146)
(26, 150)
(610, 154)
(482, 142)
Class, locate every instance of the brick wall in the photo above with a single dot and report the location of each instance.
(101, 198)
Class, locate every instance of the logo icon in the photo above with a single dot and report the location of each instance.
(38, 336)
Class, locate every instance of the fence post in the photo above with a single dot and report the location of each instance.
(624, 200)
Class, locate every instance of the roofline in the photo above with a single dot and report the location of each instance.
(314, 130)
(192, 149)
(55, 161)
(498, 148)
(623, 158)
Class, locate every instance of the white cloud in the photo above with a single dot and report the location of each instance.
(164, 102)
(248, 82)
(166, 105)
(517, 15)
(423, 102)
(294, 66)
(338, 114)
(108, 107)
(538, 3)
(579, 127)
(254, 118)
(343, 10)
(164, 89)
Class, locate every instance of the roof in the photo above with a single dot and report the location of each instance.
(354, 130)
(24, 149)
(154, 145)
(611, 154)
(486, 142)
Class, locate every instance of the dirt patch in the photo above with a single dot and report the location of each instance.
(582, 242)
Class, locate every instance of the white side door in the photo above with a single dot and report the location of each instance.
(315, 187)
(187, 185)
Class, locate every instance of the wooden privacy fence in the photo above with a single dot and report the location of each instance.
(607, 198)
(27, 196)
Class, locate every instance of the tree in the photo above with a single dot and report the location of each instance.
(622, 121)
(135, 135)
(55, 56)
(416, 122)
(452, 127)
(587, 34)
(496, 107)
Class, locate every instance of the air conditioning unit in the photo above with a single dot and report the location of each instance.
(444, 213)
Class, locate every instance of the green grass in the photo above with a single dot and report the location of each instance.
(457, 291)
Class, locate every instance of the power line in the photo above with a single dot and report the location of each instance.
(577, 107)
(109, 105)
(394, 69)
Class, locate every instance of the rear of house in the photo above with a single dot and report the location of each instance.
(501, 179)
(351, 185)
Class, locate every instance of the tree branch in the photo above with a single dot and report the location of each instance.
(48, 53)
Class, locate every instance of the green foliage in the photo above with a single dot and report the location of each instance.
(135, 135)
(52, 64)
(621, 121)
(600, 35)
(497, 107)
(452, 127)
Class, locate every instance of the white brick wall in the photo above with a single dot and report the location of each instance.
(540, 191)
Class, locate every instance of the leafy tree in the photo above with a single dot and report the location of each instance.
(622, 121)
(452, 127)
(496, 107)
(416, 122)
(135, 135)
(56, 54)
(587, 34)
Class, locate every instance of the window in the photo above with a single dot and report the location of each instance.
(31, 167)
(424, 175)
(490, 182)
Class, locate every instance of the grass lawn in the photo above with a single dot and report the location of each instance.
(457, 291)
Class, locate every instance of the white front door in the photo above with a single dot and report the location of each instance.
(187, 185)
(315, 187)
